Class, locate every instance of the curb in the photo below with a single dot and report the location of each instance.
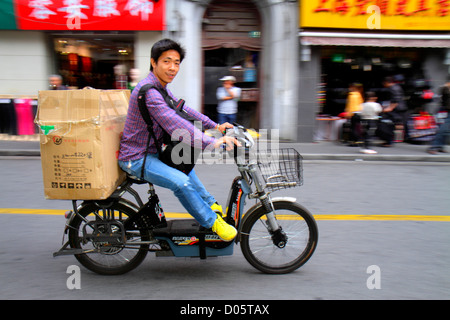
(20, 153)
(306, 156)
(376, 157)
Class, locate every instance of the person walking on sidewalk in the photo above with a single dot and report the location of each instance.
(437, 145)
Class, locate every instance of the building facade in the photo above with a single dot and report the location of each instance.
(365, 41)
(236, 37)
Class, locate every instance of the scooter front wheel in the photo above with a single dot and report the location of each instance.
(284, 250)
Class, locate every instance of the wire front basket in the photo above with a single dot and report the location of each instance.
(281, 168)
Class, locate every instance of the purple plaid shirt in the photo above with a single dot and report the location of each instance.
(135, 134)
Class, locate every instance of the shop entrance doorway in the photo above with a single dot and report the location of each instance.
(231, 42)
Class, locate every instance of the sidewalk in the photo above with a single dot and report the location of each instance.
(323, 150)
(332, 150)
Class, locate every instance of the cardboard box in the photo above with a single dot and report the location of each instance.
(80, 133)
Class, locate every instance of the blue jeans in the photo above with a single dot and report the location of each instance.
(224, 117)
(187, 188)
(443, 132)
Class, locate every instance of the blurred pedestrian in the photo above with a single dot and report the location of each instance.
(437, 145)
(120, 77)
(352, 112)
(354, 99)
(369, 116)
(134, 78)
(55, 82)
(228, 96)
(394, 108)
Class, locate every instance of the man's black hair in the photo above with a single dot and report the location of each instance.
(163, 46)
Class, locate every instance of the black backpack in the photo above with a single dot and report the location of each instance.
(166, 153)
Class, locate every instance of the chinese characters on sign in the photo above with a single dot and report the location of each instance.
(40, 10)
(142, 7)
(395, 14)
(90, 14)
(400, 7)
(105, 8)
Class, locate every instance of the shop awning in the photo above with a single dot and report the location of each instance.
(375, 39)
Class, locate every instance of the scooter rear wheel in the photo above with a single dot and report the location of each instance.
(109, 257)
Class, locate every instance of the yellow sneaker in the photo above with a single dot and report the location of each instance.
(217, 208)
(225, 231)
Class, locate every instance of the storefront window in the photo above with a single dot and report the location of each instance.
(101, 60)
(342, 66)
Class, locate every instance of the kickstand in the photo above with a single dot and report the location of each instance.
(62, 251)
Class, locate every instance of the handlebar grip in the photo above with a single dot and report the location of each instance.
(281, 184)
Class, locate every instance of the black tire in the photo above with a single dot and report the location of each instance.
(259, 248)
(117, 259)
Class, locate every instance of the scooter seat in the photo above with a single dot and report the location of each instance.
(136, 180)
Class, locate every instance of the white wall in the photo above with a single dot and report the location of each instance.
(144, 40)
(25, 62)
(280, 67)
(186, 27)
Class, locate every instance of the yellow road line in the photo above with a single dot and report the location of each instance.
(32, 211)
(346, 217)
(381, 217)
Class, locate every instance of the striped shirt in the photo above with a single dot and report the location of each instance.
(135, 134)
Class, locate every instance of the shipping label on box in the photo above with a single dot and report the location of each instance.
(80, 136)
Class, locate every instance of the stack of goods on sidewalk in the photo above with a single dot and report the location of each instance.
(16, 116)
(421, 128)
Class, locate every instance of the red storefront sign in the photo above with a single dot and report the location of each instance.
(90, 14)
(425, 15)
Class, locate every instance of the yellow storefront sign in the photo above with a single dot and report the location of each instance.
(376, 14)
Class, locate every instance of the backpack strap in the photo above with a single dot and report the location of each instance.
(148, 120)
(142, 106)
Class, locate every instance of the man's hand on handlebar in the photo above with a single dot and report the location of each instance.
(228, 142)
(224, 126)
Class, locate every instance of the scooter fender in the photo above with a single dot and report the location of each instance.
(259, 205)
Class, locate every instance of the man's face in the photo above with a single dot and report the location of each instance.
(55, 81)
(167, 66)
(228, 84)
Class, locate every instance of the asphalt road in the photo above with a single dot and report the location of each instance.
(367, 258)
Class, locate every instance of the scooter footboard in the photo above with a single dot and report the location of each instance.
(187, 238)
